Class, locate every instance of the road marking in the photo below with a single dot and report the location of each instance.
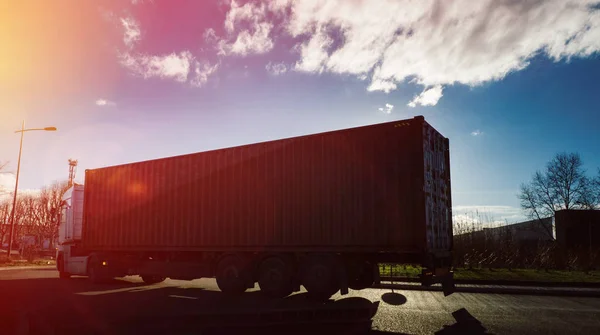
(182, 297)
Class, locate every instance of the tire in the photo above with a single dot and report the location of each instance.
(232, 278)
(364, 277)
(60, 265)
(275, 277)
(319, 277)
(153, 279)
(96, 273)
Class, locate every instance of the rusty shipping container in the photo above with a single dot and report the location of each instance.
(377, 188)
(578, 228)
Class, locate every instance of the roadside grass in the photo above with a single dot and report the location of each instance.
(499, 274)
(5, 262)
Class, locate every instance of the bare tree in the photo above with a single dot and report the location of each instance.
(46, 210)
(5, 207)
(562, 185)
(3, 189)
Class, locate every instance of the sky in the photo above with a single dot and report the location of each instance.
(510, 83)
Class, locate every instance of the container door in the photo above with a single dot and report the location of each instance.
(438, 207)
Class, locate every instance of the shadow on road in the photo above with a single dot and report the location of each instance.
(393, 298)
(75, 306)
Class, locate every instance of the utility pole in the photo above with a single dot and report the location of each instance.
(14, 205)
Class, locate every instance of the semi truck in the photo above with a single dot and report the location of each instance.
(321, 211)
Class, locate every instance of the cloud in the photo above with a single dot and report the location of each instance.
(432, 43)
(313, 53)
(276, 69)
(476, 133)
(429, 97)
(202, 71)
(179, 66)
(104, 102)
(131, 32)
(174, 66)
(487, 215)
(248, 30)
(438, 43)
(210, 36)
(387, 109)
(7, 182)
(248, 42)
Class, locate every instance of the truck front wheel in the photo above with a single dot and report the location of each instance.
(232, 278)
(60, 265)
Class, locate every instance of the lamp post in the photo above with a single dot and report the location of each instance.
(12, 212)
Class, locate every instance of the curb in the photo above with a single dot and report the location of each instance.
(560, 292)
(30, 267)
(523, 283)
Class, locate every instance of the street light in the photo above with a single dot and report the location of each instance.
(12, 212)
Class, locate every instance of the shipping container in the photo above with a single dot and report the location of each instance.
(578, 228)
(384, 187)
(319, 210)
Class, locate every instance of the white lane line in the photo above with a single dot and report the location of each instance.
(182, 297)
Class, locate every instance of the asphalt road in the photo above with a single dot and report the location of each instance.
(37, 302)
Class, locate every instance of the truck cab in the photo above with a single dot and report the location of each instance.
(69, 258)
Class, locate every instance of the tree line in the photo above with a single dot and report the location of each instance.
(562, 184)
(36, 214)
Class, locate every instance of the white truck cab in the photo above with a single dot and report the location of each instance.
(68, 261)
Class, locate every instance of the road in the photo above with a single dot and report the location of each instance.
(37, 302)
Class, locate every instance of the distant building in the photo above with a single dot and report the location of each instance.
(578, 228)
(527, 232)
(27, 233)
(523, 232)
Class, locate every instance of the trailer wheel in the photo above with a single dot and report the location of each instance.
(60, 264)
(319, 277)
(153, 279)
(363, 279)
(232, 278)
(275, 278)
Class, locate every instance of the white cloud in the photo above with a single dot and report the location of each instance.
(210, 36)
(248, 42)
(131, 32)
(179, 66)
(429, 97)
(437, 43)
(487, 215)
(388, 42)
(174, 66)
(476, 133)
(248, 30)
(313, 52)
(7, 182)
(104, 102)
(276, 69)
(202, 71)
(387, 109)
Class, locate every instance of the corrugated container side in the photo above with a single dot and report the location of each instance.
(578, 228)
(357, 189)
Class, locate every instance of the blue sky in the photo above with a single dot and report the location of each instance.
(510, 85)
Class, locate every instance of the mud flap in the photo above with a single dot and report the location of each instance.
(343, 278)
(448, 286)
(441, 276)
